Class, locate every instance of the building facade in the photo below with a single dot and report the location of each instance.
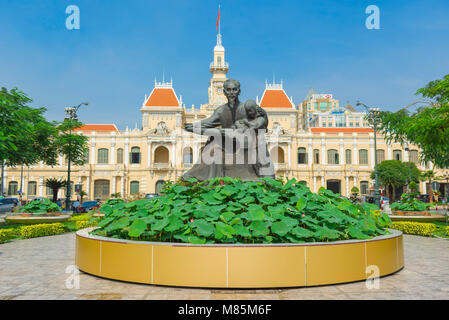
(317, 142)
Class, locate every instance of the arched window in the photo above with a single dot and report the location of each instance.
(159, 185)
(348, 156)
(134, 187)
(12, 188)
(219, 61)
(316, 156)
(161, 155)
(187, 155)
(103, 156)
(380, 155)
(414, 156)
(363, 156)
(134, 156)
(101, 189)
(277, 154)
(302, 156)
(397, 155)
(48, 191)
(332, 156)
(119, 155)
(32, 188)
(364, 185)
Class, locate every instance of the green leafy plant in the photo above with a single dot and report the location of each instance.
(226, 210)
(41, 207)
(410, 203)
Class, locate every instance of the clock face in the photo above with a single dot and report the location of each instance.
(219, 90)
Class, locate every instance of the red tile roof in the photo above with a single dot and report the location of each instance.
(275, 98)
(162, 97)
(98, 127)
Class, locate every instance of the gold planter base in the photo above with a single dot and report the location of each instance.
(239, 266)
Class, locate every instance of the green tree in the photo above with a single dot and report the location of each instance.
(428, 176)
(427, 127)
(26, 137)
(72, 145)
(395, 174)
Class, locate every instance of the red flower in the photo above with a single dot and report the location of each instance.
(221, 182)
(191, 219)
(303, 215)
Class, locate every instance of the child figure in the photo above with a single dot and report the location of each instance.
(256, 120)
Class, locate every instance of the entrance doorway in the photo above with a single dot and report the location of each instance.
(334, 186)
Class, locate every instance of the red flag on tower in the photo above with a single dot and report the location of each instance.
(218, 17)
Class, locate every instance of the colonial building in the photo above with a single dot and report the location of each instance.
(317, 142)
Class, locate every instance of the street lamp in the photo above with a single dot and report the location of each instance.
(373, 121)
(70, 114)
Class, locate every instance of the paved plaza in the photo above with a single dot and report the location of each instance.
(36, 269)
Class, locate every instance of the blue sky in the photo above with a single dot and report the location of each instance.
(122, 46)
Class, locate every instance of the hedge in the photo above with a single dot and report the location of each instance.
(84, 224)
(41, 230)
(417, 228)
(7, 234)
(447, 231)
(81, 217)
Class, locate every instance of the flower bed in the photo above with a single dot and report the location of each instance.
(226, 210)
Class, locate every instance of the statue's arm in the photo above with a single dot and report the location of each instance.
(211, 122)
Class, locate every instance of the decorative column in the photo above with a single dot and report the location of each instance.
(113, 184)
(310, 153)
(314, 184)
(127, 152)
(322, 181)
(355, 151)
(149, 153)
(88, 187)
(323, 150)
(112, 153)
(92, 153)
(342, 151)
(347, 186)
(355, 181)
(41, 186)
(289, 150)
(173, 151)
(122, 186)
(389, 153)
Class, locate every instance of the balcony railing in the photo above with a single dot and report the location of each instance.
(219, 66)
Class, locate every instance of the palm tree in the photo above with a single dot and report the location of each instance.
(82, 194)
(428, 176)
(55, 184)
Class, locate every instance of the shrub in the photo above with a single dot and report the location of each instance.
(447, 231)
(226, 210)
(85, 224)
(7, 234)
(81, 217)
(43, 206)
(417, 228)
(41, 230)
(410, 205)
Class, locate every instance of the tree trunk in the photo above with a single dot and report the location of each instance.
(429, 191)
(2, 180)
(55, 195)
(394, 193)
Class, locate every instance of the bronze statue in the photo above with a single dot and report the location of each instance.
(238, 147)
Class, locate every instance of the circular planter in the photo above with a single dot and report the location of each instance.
(239, 265)
(36, 219)
(411, 213)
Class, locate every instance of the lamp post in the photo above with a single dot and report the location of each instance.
(373, 120)
(70, 114)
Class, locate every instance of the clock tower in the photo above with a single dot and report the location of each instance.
(219, 68)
